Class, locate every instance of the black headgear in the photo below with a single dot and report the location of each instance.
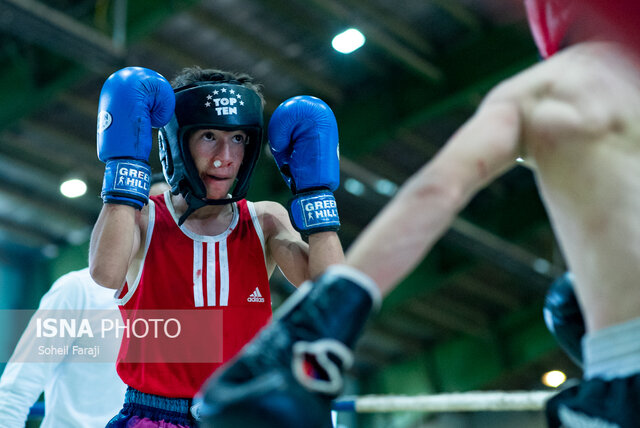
(224, 105)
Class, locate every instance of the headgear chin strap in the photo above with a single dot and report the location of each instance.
(224, 105)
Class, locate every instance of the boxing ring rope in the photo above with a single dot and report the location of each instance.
(475, 401)
(478, 401)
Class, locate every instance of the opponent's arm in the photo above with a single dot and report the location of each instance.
(303, 136)
(132, 101)
(424, 208)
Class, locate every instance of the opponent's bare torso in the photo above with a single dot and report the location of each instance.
(581, 130)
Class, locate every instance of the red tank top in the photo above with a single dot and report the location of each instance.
(185, 271)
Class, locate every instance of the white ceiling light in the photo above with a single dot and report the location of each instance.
(348, 41)
(385, 187)
(554, 378)
(354, 186)
(73, 188)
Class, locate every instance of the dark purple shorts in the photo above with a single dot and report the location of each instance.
(142, 410)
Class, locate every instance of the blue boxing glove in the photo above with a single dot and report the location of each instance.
(288, 375)
(303, 136)
(563, 317)
(132, 101)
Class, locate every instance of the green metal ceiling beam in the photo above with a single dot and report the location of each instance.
(21, 94)
(29, 237)
(386, 130)
(407, 57)
(58, 32)
(322, 88)
(298, 14)
(59, 50)
(460, 13)
(145, 16)
(505, 254)
(394, 26)
(379, 115)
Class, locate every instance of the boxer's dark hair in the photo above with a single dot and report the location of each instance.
(195, 74)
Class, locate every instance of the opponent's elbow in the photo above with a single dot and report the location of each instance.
(501, 119)
(505, 130)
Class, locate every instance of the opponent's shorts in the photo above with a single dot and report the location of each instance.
(142, 410)
(598, 403)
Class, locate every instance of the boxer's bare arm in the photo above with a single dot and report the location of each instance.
(115, 241)
(297, 260)
(399, 237)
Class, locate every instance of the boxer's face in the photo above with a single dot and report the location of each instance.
(217, 155)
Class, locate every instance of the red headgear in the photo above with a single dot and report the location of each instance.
(550, 21)
(612, 20)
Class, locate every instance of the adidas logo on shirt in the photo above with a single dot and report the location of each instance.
(255, 296)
